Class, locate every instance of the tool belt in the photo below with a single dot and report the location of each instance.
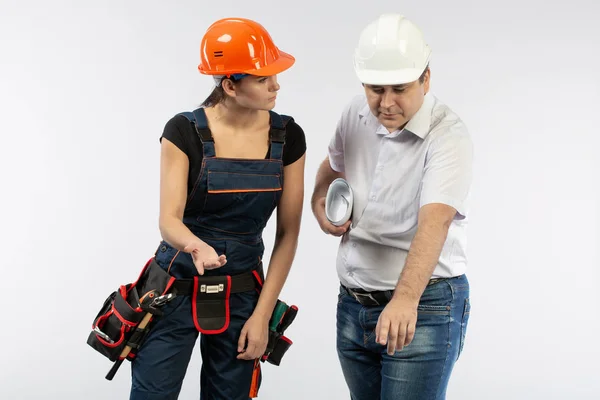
(123, 322)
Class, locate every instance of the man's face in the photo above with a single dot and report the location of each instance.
(395, 105)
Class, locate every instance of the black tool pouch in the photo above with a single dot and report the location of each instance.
(115, 325)
(276, 348)
(278, 343)
(210, 304)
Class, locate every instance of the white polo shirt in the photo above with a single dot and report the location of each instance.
(392, 175)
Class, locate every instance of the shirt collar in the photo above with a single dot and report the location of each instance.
(418, 125)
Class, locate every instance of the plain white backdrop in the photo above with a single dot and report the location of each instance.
(86, 88)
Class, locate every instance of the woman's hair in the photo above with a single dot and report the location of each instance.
(218, 94)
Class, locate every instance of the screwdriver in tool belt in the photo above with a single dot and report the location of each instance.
(280, 309)
(287, 319)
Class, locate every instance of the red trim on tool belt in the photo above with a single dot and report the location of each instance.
(257, 277)
(99, 323)
(123, 320)
(115, 344)
(169, 284)
(286, 339)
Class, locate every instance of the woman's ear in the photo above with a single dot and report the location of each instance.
(228, 87)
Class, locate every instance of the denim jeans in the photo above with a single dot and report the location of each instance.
(421, 370)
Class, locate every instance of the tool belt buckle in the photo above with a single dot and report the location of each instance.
(210, 289)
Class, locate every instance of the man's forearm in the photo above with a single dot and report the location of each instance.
(325, 175)
(423, 255)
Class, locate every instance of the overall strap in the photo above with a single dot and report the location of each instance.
(277, 134)
(198, 118)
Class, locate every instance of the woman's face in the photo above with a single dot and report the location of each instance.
(254, 92)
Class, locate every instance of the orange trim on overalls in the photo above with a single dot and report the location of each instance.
(173, 259)
(255, 375)
(244, 190)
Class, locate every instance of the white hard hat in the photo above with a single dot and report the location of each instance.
(391, 51)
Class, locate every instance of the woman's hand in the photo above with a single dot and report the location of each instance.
(204, 256)
(256, 333)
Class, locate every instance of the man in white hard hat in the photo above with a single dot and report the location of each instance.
(403, 304)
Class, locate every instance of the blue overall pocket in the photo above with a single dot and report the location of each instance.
(227, 191)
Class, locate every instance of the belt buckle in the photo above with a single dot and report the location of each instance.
(364, 295)
(211, 288)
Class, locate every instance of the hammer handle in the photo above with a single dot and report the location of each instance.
(127, 349)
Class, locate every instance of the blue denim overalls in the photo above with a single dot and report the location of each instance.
(228, 208)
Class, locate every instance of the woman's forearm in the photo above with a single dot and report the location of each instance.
(282, 258)
(174, 232)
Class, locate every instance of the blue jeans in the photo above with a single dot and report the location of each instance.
(421, 370)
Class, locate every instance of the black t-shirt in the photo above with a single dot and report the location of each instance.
(180, 131)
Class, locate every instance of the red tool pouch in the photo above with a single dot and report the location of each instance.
(115, 325)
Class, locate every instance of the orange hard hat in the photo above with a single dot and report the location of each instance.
(241, 46)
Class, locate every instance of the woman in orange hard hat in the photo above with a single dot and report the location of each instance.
(225, 168)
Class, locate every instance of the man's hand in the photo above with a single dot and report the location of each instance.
(256, 333)
(324, 223)
(326, 175)
(397, 323)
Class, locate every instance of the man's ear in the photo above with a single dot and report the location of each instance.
(426, 81)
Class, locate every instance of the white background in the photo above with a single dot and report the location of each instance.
(87, 86)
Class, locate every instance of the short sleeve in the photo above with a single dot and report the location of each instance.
(448, 171)
(175, 132)
(336, 147)
(295, 143)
